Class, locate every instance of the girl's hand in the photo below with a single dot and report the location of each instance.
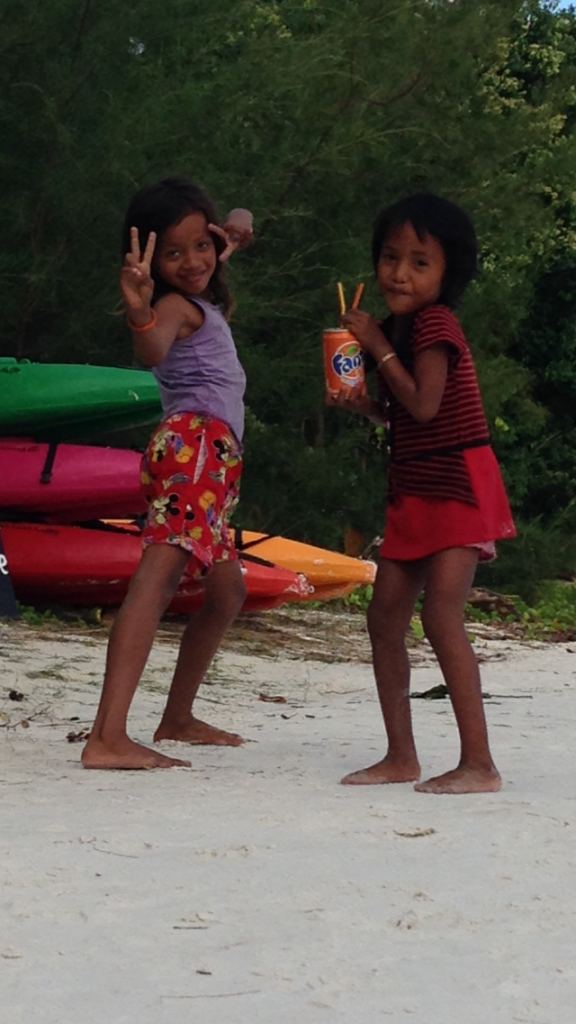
(365, 330)
(353, 400)
(236, 232)
(135, 280)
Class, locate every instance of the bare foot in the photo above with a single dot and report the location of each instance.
(126, 755)
(463, 780)
(197, 732)
(382, 772)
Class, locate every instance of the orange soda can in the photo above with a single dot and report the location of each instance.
(343, 361)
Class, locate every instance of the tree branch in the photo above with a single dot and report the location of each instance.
(83, 17)
(398, 95)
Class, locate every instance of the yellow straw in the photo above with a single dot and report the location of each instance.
(357, 296)
(341, 298)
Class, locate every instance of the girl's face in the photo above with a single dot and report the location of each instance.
(410, 271)
(186, 257)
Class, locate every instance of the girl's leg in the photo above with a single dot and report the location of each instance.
(151, 590)
(225, 593)
(396, 591)
(449, 580)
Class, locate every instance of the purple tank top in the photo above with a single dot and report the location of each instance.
(202, 373)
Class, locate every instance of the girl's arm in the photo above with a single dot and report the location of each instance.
(153, 330)
(421, 392)
(174, 318)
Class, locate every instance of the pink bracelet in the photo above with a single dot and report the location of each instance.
(147, 327)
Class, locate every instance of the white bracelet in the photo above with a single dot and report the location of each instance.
(385, 358)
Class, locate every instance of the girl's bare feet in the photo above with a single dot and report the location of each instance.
(384, 771)
(196, 732)
(126, 755)
(463, 780)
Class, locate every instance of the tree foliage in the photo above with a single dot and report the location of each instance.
(315, 114)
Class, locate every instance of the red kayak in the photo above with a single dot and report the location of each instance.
(69, 482)
(73, 565)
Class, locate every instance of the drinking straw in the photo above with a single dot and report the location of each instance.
(357, 296)
(341, 298)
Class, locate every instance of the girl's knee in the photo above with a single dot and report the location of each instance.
(441, 624)
(235, 596)
(158, 575)
(384, 624)
(226, 600)
(373, 621)
(142, 593)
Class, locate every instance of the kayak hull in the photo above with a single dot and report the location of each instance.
(327, 592)
(73, 565)
(323, 568)
(63, 401)
(330, 575)
(69, 482)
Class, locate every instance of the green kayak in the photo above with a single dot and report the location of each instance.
(62, 402)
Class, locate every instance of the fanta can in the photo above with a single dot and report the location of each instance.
(343, 361)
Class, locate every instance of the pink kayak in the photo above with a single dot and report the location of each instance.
(75, 565)
(67, 483)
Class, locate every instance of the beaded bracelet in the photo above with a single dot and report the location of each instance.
(386, 357)
(147, 327)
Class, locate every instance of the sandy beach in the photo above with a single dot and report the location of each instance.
(252, 887)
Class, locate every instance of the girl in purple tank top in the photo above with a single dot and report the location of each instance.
(173, 285)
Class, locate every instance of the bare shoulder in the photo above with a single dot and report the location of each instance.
(175, 310)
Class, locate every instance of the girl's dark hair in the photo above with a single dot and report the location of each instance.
(448, 224)
(158, 207)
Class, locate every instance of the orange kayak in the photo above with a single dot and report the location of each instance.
(328, 572)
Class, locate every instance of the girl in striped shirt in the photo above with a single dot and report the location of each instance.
(446, 500)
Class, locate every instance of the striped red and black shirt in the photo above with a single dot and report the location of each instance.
(427, 458)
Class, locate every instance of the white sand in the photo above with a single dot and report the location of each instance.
(253, 888)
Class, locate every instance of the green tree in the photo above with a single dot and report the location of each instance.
(314, 114)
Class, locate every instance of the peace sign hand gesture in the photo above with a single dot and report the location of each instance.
(135, 279)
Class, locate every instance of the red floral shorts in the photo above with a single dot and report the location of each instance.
(190, 476)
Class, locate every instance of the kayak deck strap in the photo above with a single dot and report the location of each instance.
(244, 545)
(46, 474)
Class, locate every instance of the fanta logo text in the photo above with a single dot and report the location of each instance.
(347, 363)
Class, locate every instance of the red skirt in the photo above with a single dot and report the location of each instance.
(418, 527)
